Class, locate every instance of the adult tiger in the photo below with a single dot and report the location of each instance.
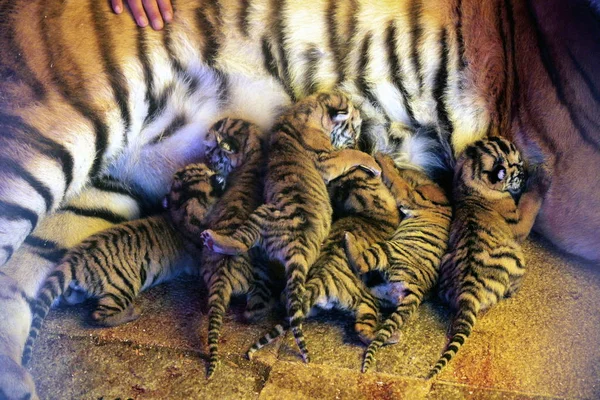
(85, 94)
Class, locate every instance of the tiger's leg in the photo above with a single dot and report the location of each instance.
(363, 261)
(337, 163)
(259, 300)
(113, 310)
(24, 273)
(391, 178)
(367, 312)
(245, 237)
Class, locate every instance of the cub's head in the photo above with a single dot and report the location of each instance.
(327, 120)
(229, 143)
(492, 167)
(194, 190)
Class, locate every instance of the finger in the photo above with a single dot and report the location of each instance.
(166, 9)
(137, 9)
(117, 6)
(153, 14)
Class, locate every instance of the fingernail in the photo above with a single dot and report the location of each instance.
(157, 24)
(168, 16)
(118, 9)
(142, 21)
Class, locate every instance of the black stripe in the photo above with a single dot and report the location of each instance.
(440, 85)
(104, 214)
(210, 48)
(109, 185)
(9, 166)
(554, 75)
(192, 81)
(223, 94)
(142, 53)
(34, 138)
(9, 251)
(13, 212)
(69, 85)
(416, 31)
(363, 65)
(53, 256)
(335, 41)
(270, 64)
(395, 70)
(278, 33)
(13, 50)
(459, 36)
(111, 65)
(178, 122)
(312, 55)
(243, 18)
(35, 241)
(585, 76)
(501, 98)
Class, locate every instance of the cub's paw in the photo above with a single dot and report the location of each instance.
(222, 244)
(353, 254)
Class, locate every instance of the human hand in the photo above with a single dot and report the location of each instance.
(157, 11)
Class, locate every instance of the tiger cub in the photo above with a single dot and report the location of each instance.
(115, 265)
(485, 262)
(234, 150)
(296, 216)
(409, 260)
(364, 205)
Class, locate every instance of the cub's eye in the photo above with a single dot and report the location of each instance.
(228, 146)
(498, 174)
(337, 115)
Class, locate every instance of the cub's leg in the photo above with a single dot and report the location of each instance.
(337, 163)
(364, 260)
(366, 318)
(95, 209)
(105, 314)
(245, 237)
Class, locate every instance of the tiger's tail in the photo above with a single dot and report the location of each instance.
(405, 309)
(54, 286)
(268, 338)
(218, 301)
(462, 326)
(296, 272)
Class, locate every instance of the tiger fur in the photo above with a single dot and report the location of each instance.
(296, 216)
(410, 258)
(85, 95)
(234, 150)
(364, 205)
(485, 262)
(115, 265)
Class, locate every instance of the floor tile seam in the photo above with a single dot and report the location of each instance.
(495, 389)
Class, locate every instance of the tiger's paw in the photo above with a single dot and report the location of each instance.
(12, 234)
(222, 244)
(16, 382)
(352, 254)
(100, 318)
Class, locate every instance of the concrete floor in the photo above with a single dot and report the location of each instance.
(543, 343)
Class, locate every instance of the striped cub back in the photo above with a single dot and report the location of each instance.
(362, 204)
(409, 259)
(296, 216)
(485, 262)
(115, 265)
